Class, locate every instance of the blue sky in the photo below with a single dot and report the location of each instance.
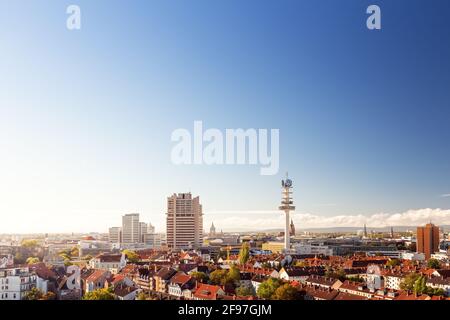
(86, 116)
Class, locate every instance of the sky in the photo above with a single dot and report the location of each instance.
(86, 116)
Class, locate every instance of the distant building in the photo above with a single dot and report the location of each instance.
(150, 229)
(428, 240)
(115, 235)
(413, 256)
(212, 230)
(131, 228)
(93, 247)
(143, 229)
(313, 249)
(153, 240)
(110, 262)
(292, 229)
(273, 246)
(184, 221)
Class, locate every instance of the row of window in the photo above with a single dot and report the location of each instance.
(5, 296)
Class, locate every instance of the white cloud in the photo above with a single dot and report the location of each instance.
(447, 195)
(261, 220)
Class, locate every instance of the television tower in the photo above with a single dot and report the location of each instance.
(286, 206)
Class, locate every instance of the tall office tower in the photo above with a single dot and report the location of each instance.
(115, 235)
(184, 221)
(287, 206)
(150, 229)
(428, 239)
(130, 228)
(142, 231)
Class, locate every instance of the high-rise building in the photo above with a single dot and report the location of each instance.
(131, 228)
(143, 229)
(184, 221)
(115, 235)
(428, 239)
(150, 229)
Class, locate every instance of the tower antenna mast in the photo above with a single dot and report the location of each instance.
(287, 206)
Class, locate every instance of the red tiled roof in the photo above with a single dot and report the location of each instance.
(180, 278)
(347, 296)
(206, 291)
(96, 275)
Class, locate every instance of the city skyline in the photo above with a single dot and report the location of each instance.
(86, 116)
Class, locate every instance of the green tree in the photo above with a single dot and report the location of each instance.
(286, 292)
(393, 263)
(67, 262)
(268, 287)
(244, 253)
(245, 291)
(29, 243)
(141, 296)
(336, 274)
(434, 264)
(32, 260)
(49, 296)
(233, 275)
(100, 294)
(420, 285)
(33, 294)
(74, 252)
(409, 281)
(435, 291)
(218, 277)
(356, 279)
(301, 264)
(200, 276)
(132, 256)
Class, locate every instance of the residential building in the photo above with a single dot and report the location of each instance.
(208, 292)
(179, 283)
(392, 281)
(162, 279)
(111, 262)
(97, 280)
(15, 283)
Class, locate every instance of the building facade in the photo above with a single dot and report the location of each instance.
(184, 223)
(131, 228)
(16, 282)
(428, 240)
